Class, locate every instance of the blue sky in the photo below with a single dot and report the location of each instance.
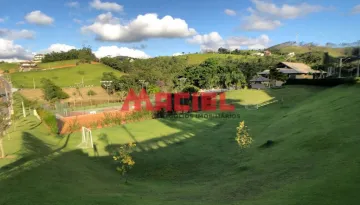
(113, 26)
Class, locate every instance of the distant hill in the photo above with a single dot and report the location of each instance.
(289, 47)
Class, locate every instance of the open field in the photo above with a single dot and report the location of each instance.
(199, 58)
(11, 67)
(315, 158)
(57, 64)
(101, 95)
(335, 52)
(64, 77)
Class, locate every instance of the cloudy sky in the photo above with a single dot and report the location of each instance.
(140, 28)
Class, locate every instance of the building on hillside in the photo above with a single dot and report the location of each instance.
(259, 82)
(295, 71)
(27, 66)
(267, 53)
(290, 55)
(38, 57)
(258, 54)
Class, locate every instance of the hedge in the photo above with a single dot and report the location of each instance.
(329, 82)
(49, 119)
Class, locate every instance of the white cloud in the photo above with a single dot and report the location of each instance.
(251, 43)
(59, 48)
(177, 54)
(2, 20)
(230, 12)
(108, 28)
(10, 51)
(106, 6)
(39, 18)
(259, 23)
(16, 34)
(286, 11)
(356, 9)
(20, 23)
(78, 21)
(73, 4)
(213, 41)
(267, 15)
(114, 51)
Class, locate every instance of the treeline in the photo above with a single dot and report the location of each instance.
(85, 55)
(172, 73)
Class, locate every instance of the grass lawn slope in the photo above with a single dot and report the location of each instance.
(11, 67)
(199, 58)
(315, 157)
(63, 77)
(57, 64)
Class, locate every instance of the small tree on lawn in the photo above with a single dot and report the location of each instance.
(242, 136)
(91, 93)
(124, 159)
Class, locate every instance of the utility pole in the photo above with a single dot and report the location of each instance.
(23, 107)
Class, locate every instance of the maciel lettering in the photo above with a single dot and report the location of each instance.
(178, 102)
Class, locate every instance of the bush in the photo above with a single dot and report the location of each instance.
(52, 91)
(328, 82)
(49, 119)
(190, 89)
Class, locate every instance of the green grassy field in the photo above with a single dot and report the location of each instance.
(335, 52)
(63, 77)
(199, 58)
(9, 66)
(57, 64)
(315, 158)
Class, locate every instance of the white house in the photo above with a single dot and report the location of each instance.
(292, 54)
(38, 57)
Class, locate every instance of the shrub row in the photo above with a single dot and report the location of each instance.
(49, 119)
(329, 82)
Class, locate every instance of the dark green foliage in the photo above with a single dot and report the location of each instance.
(49, 119)
(328, 82)
(214, 73)
(275, 74)
(85, 55)
(117, 64)
(52, 92)
(190, 89)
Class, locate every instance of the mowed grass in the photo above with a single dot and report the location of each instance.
(63, 77)
(11, 67)
(57, 64)
(335, 52)
(315, 158)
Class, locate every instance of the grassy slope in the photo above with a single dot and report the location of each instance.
(63, 77)
(315, 159)
(57, 64)
(335, 52)
(9, 66)
(199, 58)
